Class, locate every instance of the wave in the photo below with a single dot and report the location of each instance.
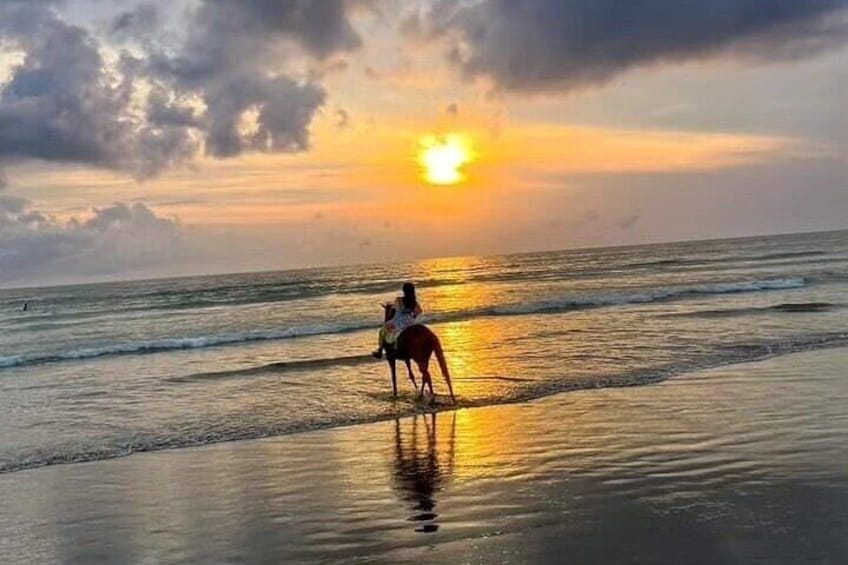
(560, 305)
(405, 405)
(175, 344)
(663, 263)
(651, 295)
(733, 259)
(786, 307)
(280, 367)
(225, 296)
(830, 276)
(303, 365)
(788, 255)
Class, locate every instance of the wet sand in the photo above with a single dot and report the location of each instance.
(742, 464)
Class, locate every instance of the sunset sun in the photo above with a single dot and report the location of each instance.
(443, 157)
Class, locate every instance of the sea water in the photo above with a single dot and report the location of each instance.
(98, 371)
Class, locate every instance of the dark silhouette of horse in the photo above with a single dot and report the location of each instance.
(416, 343)
(422, 467)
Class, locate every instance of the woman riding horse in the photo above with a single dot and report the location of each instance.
(404, 338)
(406, 312)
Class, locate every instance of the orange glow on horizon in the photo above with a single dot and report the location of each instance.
(363, 175)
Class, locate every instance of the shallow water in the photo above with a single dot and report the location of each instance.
(739, 464)
(97, 371)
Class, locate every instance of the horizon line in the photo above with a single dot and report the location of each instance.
(107, 281)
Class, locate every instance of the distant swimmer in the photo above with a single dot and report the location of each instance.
(26, 307)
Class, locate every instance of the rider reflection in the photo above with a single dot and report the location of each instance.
(420, 469)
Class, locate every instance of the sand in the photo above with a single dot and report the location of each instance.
(742, 464)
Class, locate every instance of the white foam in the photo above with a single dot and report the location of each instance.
(650, 295)
(556, 305)
(175, 344)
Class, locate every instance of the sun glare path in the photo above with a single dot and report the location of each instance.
(442, 158)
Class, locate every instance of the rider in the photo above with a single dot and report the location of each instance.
(407, 311)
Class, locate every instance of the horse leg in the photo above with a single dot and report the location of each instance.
(430, 382)
(411, 376)
(423, 378)
(392, 366)
(425, 374)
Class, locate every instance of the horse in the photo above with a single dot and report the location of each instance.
(416, 343)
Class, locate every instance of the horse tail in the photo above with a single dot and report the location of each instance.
(440, 357)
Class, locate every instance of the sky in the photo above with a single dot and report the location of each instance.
(160, 138)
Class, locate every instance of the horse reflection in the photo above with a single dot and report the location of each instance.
(421, 470)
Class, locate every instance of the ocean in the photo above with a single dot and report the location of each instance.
(100, 371)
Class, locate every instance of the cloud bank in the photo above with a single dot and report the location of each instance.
(120, 238)
(137, 100)
(233, 76)
(558, 45)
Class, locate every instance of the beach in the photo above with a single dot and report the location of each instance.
(738, 464)
(93, 372)
(239, 240)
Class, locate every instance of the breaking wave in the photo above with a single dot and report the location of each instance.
(786, 307)
(560, 305)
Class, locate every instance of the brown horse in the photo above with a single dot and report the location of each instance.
(416, 343)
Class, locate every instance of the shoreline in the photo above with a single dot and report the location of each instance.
(710, 466)
(413, 407)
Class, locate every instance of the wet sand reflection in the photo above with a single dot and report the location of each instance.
(421, 470)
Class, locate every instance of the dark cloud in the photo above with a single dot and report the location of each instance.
(282, 107)
(63, 103)
(115, 239)
(164, 109)
(227, 37)
(142, 20)
(531, 45)
(10, 205)
(223, 86)
(59, 104)
(342, 119)
(231, 60)
(322, 27)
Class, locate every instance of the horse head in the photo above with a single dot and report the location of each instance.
(389, 312)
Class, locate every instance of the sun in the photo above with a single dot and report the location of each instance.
(443, 157)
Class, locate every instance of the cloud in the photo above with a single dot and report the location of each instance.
(117, 239)
(142, 20)
(11, 205)
(60, 104)
(131, 101)
(546, 45)
(231, 60)
(322, 28)
(342, 119)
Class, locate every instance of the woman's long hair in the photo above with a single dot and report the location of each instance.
(409, 296)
